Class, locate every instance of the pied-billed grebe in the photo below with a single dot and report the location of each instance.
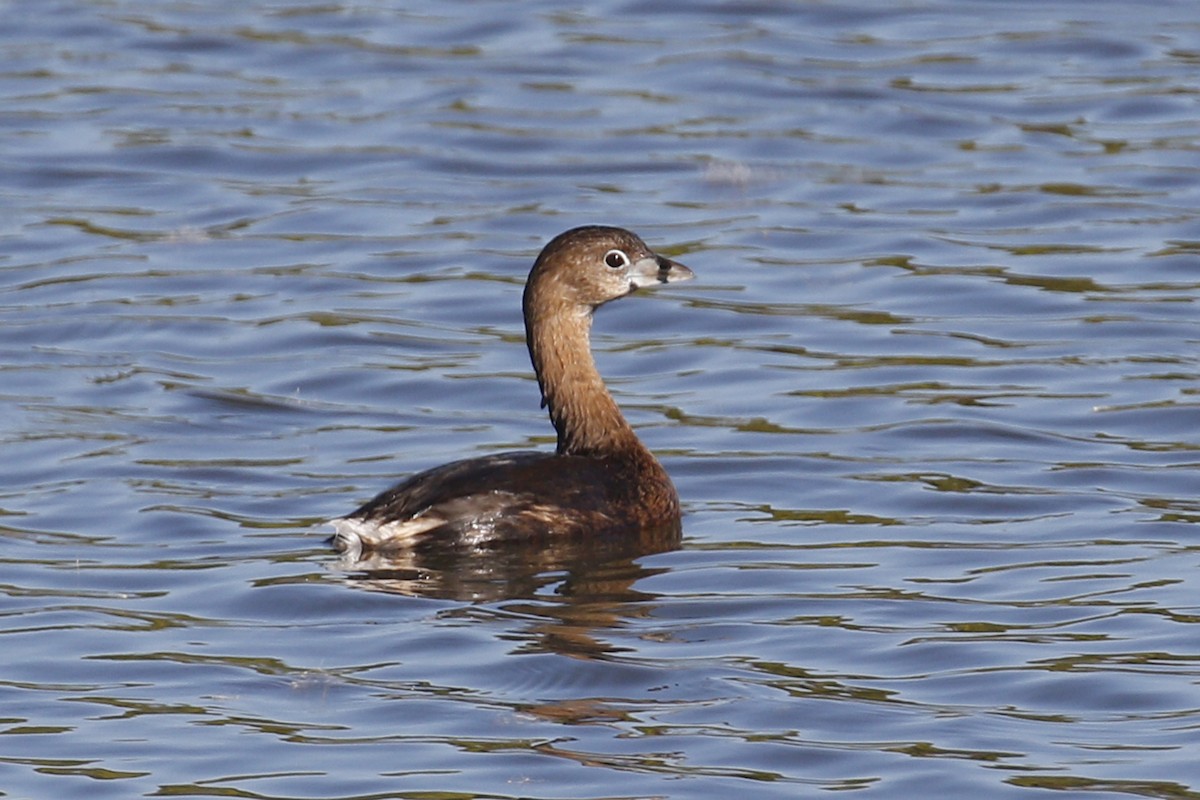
(601, 480)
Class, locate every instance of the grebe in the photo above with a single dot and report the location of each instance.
(601, 480)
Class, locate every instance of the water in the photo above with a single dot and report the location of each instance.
(931, 403)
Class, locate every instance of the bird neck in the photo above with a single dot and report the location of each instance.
(584, 414)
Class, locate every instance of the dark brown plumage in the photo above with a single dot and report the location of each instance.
(600, 481)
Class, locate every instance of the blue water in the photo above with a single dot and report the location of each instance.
(931, 403)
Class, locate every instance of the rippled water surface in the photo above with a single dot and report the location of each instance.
(931, 404)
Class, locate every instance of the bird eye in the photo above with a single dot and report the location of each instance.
(616, 259)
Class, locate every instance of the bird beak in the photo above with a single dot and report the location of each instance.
(656, 269)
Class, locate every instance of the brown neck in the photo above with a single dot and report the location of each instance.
(585, 415)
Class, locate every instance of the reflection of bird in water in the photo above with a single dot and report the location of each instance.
(568, 594)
